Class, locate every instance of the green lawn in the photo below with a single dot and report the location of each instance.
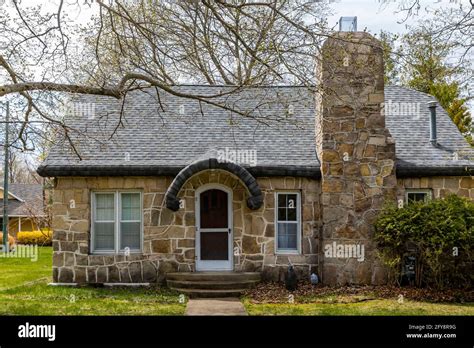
(18, 271)
(370, 307)
(24, 291)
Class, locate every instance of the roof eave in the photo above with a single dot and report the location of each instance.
(154, 170)
(403, 170)
(418, 171)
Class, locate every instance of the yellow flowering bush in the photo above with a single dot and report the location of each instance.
(43, 237)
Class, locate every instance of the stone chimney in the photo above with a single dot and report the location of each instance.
(357, 155)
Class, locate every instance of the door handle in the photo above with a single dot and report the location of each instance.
(230, 230)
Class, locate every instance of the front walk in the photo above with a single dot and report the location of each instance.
(215, 306)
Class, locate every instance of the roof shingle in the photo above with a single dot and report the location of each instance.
(32, 200)
(163, 135)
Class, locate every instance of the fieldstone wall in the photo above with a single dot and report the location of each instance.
(72, 261)
(357, 154)
(440, 186)
(169, 236)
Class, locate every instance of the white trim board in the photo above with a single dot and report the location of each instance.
(14, 196)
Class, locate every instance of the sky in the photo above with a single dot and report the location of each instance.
(377, 15)
(374, 15)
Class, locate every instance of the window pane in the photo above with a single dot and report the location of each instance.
(104, 207)
(287, 207)
(281, 214)
(131, 206)
(130, 235)
(417, 196)
(282, 201)
(292, 214)
(104, 236)
(287, 237)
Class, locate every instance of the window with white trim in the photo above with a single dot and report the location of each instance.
(288, 222)
(116, 222)
(417, 195)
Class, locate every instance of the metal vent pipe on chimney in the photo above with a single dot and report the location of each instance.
(348, 24)
(433, 135)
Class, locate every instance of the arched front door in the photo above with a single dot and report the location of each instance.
(214, 228)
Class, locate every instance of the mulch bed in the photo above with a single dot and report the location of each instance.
(306, 293)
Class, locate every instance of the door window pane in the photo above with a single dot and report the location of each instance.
(214, 209)
(214, 246)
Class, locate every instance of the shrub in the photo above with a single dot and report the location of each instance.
(42, 237)
(439, 233)
(11, 240)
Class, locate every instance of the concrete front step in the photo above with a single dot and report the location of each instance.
(212, 284)
(206, 293)
(214, 276)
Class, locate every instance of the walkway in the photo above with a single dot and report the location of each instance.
(215, 306)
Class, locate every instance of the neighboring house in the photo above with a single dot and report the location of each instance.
(25, 206)
(159, 196)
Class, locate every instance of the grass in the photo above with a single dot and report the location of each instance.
(368, 307)
(41, 299)
(18, 271)
(24, 291)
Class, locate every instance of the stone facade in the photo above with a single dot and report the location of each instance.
(356, 151)
(169, 237)
(439, 186)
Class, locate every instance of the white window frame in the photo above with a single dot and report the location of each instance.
(118, 219)
(296, 251)
(428, 192)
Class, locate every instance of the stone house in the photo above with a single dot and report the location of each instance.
(186, 186)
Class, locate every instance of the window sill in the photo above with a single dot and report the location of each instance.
(287, 252)
(112, 253)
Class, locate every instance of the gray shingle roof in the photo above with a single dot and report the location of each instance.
(31, 203)
(161, 136)
(412, 132)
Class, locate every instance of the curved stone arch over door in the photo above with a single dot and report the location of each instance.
(254, 202)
